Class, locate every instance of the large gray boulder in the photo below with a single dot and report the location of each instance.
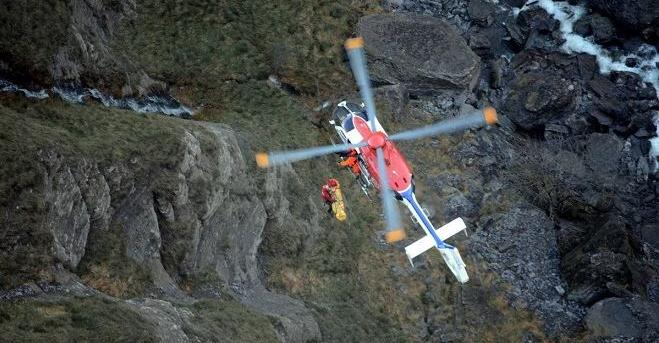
(631, 15)
(535, 98)
(424, 53)
(618, 317)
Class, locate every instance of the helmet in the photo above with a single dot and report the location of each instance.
(332, 182)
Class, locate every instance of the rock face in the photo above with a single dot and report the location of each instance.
(634, 15)
(79, 50)
(624, 318)
(421, 52)
(519, 245)
(193, 217)
(536, 98)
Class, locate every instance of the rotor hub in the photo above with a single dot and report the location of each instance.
(377, 140)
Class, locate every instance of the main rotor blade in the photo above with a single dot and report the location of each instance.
(276, 158)
(488, 116)
(355, 49)
(394, 229)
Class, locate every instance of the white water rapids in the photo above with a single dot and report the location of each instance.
(647, 67)
(150, 104)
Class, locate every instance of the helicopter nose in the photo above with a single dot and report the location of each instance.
(376, 140)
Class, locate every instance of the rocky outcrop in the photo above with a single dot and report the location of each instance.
(520, 247)
(624, 319)
(635, 16)
(193, 215)
(423, 53)
(536, 98)
(78, 49)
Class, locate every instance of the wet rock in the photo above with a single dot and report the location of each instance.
(441, 58)
(632, 16)
(603, 30)
(536, 98)
(515, 3)
(599, 27)
(608, 97)
(582, 26)
(587, 65)
(517, 36)
(537, 19)
(631, 62)
(481, 12)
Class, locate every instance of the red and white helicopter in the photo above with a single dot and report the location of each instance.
(384, 166)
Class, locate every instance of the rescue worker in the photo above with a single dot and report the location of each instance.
(351, 161)
(327, 193)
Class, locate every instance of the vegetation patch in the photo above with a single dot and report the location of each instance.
(208, 43)
(106, 267)
(72, 320)
(32, 31)
(228, 321)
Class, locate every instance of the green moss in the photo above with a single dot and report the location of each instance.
(228, 321)
(106, 267)
(72, 320)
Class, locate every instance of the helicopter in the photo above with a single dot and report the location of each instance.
(383, 165)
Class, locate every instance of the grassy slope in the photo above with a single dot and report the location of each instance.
(26, 43)
(72, 320)
(94, 319)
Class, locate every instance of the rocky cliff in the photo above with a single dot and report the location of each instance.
(162, 229)
(187, 211)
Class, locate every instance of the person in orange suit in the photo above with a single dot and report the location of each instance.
(351, 161)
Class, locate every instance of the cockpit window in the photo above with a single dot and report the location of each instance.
(347, 124)
(341, 113)
(353, 107)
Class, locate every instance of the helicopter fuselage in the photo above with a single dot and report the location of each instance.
(356, 128)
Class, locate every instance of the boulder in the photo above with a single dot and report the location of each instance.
(624, 318)
(396, 97)
(537, 19)
(537, 97)
(611, 317)
(598, 26)
(481, 12)
(630, 15)
(603, 30)
(423, 53)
